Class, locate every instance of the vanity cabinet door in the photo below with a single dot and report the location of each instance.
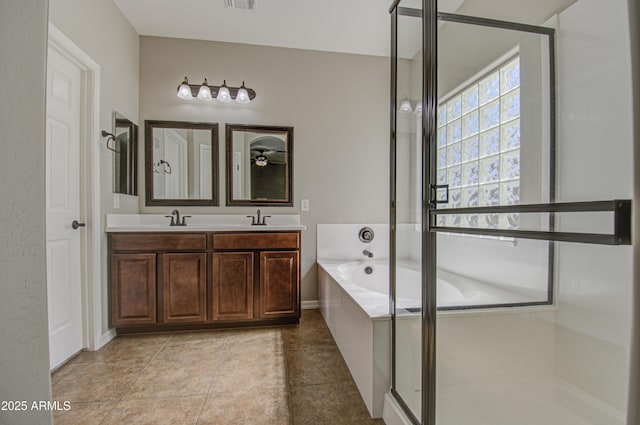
(184, 283)
(279, 282)
(232, 285)
(133, 289)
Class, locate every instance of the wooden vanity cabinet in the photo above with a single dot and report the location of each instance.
(133, 289)
(157, 278)
(275, 264)
(172, 281)
(184, 287)
(232, 285)
(279, 284)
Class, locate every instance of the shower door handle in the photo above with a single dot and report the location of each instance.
(434, 194)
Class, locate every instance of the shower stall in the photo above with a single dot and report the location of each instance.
(511, 174)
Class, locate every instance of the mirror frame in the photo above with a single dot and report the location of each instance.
(119, 120)
(229, 129)
(150, 200)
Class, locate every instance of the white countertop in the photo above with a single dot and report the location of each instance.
(200, 223)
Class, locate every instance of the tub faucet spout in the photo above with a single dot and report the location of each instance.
(367, 253)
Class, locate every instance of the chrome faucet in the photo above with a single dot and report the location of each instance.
(255, 220)
(367, 253)
(175, 218)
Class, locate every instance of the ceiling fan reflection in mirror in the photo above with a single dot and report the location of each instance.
(264, 156)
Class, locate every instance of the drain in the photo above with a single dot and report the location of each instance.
(368, 270)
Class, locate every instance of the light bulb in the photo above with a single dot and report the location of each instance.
(223, 93)
(405, 105)
(419, 108)
(184, 91)
(205, 92)
(243, 95)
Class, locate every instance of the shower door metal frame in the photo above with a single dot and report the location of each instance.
(431, 16)
(394, 12)
(620, 208)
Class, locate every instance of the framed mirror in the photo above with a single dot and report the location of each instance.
(181, 163)
(259, 165)
(125, 160)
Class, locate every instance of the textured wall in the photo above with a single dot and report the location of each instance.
(337, 103)
(24, 351)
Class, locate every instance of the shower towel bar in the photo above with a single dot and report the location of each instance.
(622, 221)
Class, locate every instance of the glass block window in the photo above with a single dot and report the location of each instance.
(478, 142)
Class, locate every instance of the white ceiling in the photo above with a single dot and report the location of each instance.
(348, 26)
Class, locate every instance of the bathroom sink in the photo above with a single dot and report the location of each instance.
(198, 223)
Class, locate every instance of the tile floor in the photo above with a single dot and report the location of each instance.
(278, 375)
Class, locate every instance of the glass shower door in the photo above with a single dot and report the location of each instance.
(406, 206)
(533, 316)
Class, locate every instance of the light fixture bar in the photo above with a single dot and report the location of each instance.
(189, 91)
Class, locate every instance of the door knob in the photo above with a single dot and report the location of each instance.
(75, 224)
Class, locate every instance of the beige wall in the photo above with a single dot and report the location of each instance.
(337, 104)
(102, 32)
(24, 349)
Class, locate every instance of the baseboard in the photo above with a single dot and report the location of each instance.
(106, 337)
(309, 305)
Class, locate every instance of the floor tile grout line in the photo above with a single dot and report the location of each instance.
(103, 362)
(288, 344)
(287, 377)
(124, 393)
(213, 378)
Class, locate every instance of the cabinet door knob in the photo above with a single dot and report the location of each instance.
(75, 224)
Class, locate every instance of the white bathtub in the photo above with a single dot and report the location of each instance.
(355, 305)
(371, 290)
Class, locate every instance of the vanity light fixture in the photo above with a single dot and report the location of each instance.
(221, 93)
(184, 90)
(243, 95)
(205, 92)
(405, 105)
(418, 109)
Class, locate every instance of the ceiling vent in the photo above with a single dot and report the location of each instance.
(240, 4)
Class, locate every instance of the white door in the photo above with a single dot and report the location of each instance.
(63, 207)
(176, 179)
(238, 171)
(205, 171)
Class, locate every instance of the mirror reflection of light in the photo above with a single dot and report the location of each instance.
(405, 105)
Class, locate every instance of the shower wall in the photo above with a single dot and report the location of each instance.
(590, 324)
(586, 341)
(595, 153)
